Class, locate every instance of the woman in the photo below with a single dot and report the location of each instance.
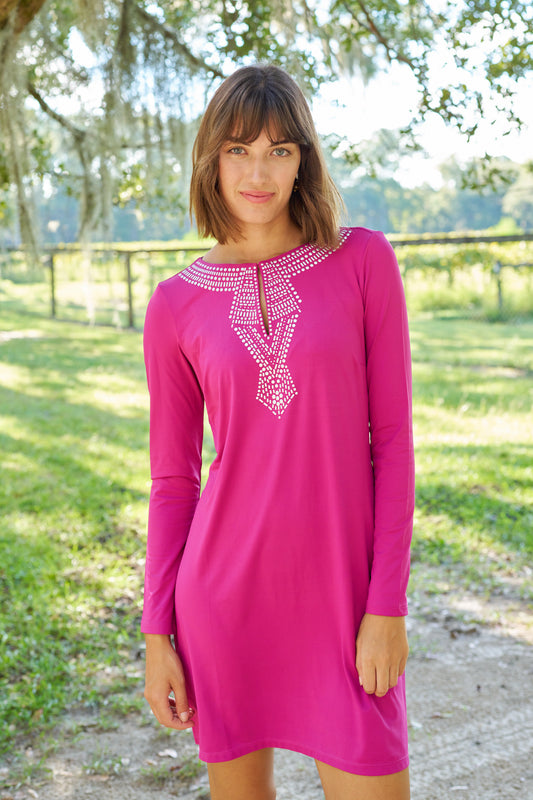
(284, 585)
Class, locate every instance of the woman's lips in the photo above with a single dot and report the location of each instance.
(257, 197)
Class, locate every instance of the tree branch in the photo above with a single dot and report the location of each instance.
(6, 7)
(23, 11)
(89, 195)
(78, 133)
(168, 33)
(371, 27)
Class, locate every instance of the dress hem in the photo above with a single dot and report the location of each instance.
(355, 768)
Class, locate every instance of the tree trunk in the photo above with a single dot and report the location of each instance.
(23, 11)
(13, 128)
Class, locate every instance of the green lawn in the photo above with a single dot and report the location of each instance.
(474, 441)
(73, 495)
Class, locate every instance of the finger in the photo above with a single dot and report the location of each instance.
(367, 679)
(382, 681)
(393, 677)
(181, 723)
(403, 664)
(181, 708)
(359, 667)
(164, 711)
(172, 703)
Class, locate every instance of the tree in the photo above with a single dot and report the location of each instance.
(518, 201)
(105, 95)
(17, 14)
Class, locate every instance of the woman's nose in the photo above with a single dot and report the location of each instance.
(258, 170)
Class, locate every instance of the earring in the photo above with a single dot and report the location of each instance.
(296, 185)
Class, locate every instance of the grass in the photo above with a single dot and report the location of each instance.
(103, 762)
(474, 443)
(73, 513)
(188, 770)
(74, 490)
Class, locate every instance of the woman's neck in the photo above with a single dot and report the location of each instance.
(256, 244)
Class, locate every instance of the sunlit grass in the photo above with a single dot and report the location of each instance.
(73, 435)
(474, 443)
(75, 482)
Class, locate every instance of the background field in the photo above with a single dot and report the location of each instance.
(74, 489)
(486, 280)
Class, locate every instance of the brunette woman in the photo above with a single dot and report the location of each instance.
(275, 601)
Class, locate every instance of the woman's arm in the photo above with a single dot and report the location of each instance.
(176, 430)
(388, 365)
(381, 641)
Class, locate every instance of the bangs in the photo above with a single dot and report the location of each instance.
(257, 99)
(263, 110)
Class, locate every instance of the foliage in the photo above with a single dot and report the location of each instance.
(378, 202)
(104, 97)
(451, 258)
(518, 202)
(383, 203)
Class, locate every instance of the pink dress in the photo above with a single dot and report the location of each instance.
(305, 521)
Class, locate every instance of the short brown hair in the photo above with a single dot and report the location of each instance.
(253, 99)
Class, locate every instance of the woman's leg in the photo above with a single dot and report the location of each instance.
(339, 785)
(250, 777)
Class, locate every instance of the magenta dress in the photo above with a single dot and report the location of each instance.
(305, 521)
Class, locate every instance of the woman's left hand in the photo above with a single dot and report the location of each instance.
(381, 653)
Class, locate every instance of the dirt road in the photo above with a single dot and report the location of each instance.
(470, 702)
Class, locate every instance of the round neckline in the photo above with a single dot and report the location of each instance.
(240, 264)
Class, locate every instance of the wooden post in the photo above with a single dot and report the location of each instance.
(131, 318)
(497, 269)
(51, 267)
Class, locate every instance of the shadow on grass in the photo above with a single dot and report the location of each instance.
(478, 390)
(474, 366)
(70, 581)
(73, 463)
(481, 496)
(52, 346)
(455, 341)
(47, 477)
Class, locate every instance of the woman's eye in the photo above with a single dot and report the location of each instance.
(236, 150)
(281, 151)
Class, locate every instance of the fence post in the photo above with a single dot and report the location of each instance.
(497, 270)
(131, 319)
(51, 267)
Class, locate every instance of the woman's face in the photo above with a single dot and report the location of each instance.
(256, 179)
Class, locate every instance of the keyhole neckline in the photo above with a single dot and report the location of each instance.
(263, 302)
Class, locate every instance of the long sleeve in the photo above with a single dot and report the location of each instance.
(390, 414)
(176, 428)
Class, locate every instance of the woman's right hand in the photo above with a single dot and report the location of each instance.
(164, 674)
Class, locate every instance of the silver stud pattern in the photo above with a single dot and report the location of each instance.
(276, 386)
